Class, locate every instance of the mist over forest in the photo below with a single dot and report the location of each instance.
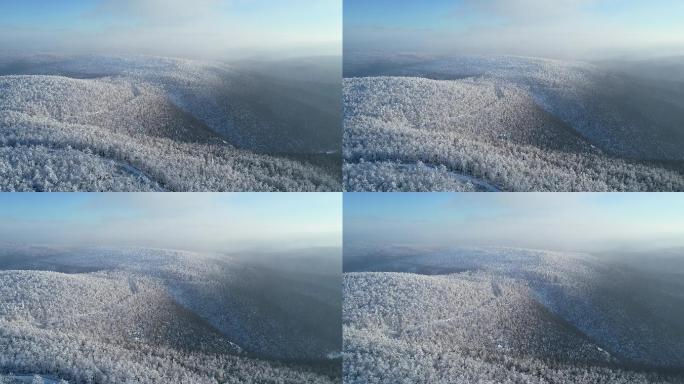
(513, 96)
(129, 96)
(577, 288)
(112, 288)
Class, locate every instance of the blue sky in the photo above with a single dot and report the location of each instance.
(576, 28)
(407, 14)
(173, 27)
(565, 221)
(194, 221)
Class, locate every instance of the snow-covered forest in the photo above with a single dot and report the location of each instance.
(508, 315)
(417, 123)
(103, 315)
(136, 123)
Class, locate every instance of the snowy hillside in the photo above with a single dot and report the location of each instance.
(139, 123)
(154, 316)
(508, 123)
(484, 314)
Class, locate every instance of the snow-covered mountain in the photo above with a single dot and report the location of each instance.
(143, 123)
(508, 123)
(496, 314)
(115, 315)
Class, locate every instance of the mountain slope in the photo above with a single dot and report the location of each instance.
(492, 313)
(149, 124)
(518, 124)
(153, 316)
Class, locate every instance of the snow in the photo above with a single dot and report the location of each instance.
(146, 315)
(142, 124)
(519, 124)
(481, 313)
(24, 378)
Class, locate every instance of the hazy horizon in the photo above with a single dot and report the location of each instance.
(575, 222)
(215, 222)
(207, 29)
(565, 29)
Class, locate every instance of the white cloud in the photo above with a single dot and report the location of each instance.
(559, 28)
(220, 29)
(526, 10)
(560, 221)
(160, 11)
(191, 221)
